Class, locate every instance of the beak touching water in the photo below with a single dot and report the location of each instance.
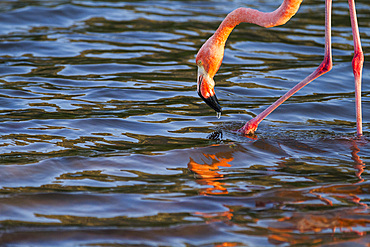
(205, 88)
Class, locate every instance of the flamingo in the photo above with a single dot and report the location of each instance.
(210, 55)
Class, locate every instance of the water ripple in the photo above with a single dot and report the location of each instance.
(104, 140)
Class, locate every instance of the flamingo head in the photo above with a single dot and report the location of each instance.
(209, 59)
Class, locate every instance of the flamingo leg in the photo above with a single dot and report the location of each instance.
(325, 66)
(357, 64)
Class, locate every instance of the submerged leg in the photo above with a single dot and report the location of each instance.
(326, 65)
(357, 64)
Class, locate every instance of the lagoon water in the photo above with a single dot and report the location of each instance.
(105, 142)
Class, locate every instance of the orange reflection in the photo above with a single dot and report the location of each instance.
(227, 244)
(285, 230)
(359, 164)
(218, 216)
(331, 210)
(208, 173)
(342, 219)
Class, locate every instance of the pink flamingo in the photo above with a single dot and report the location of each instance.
(210, 55)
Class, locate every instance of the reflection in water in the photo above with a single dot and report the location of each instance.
(342, 220)
(335, 217)
(359, 164)
(99, 116)
(208, 172)
(225, 216)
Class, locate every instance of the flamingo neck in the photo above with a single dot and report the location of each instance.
(278, 17)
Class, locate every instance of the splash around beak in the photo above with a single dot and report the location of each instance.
(206, 91)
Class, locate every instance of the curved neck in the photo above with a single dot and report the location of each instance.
(270, 19)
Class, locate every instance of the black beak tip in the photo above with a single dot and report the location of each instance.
(217, 108)
(212, 102)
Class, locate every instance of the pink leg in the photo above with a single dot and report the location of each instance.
(357, 64)
(326, 65)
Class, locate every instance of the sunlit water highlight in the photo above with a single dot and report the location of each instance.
(105, 142)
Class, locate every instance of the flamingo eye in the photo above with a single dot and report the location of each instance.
(199, 63)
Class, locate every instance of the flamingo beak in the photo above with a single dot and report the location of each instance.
(205, 88)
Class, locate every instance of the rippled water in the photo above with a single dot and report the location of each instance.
(105, 142)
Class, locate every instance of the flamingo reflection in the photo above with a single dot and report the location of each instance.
(359, 164)
(208, 173)
(318, 212)
(350, 220)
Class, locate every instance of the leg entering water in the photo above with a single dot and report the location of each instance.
(357, 64)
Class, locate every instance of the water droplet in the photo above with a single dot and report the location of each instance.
(218, 115)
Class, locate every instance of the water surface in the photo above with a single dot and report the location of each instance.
(105, 142)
